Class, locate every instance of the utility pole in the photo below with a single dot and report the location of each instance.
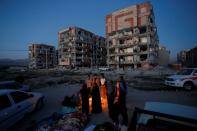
(46, 59)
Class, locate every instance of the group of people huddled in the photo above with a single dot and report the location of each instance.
(102, 92)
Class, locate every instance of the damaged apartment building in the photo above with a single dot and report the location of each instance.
(78, 47)
(131, 36)
(42, 56)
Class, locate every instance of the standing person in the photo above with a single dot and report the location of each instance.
(110, 94)
(96, 98)
(89, 81)
(120, 100)
(103, 92)
(97, 80)
(84, 91)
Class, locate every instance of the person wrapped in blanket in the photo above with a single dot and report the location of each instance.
(120, 101)
(84, 91)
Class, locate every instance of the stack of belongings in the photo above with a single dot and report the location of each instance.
(68, 122)
(67, 119)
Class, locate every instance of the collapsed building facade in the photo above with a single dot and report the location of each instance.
(131, 36)
(78, 47)
(41, 56)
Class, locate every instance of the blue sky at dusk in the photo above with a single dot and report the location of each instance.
(26, 21)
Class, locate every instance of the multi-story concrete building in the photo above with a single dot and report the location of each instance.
(41, 56)
(163, 56)
(131, 36)
(191, 57)
(80, 48)
(99, 52)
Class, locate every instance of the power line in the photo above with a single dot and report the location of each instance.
(12, 50)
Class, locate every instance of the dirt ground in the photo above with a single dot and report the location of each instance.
(135, 98)
(143, 86)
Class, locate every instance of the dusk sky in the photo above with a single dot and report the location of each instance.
(26, 21)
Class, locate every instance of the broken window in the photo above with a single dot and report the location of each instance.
(132, 66)
(139, 65)
(136, 49)
(143, 48)
(78, 55)
(143, 29)
(151, 20)
(110, 43)
(143, 57)
(121, 50)
(121, 59)
(121, 42)
(136, 30)
(65, 50)
(112, 51)
(79, 32)
(129, 41)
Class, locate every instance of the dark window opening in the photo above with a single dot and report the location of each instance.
(110, 43)
(143, 48)
(65, 50)
(151, 20)
(78, 55)
(79, 32)
(132, 66)
(121, 59)
(112, 50)
(139, 65)
(121, 42)
(78, 60)
(135, 50)
(79, 49)
(143, 57)
(143, 29)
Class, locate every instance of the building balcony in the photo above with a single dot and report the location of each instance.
(113, 62)
(127, 45)
(143, 52)
(125, 53)
(122, 54)
(112, 46)
(126, 62)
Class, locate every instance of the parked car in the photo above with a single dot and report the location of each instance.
(15, 104)
(104, 69)
(186, 78)
(14, 85)
(160, 116)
